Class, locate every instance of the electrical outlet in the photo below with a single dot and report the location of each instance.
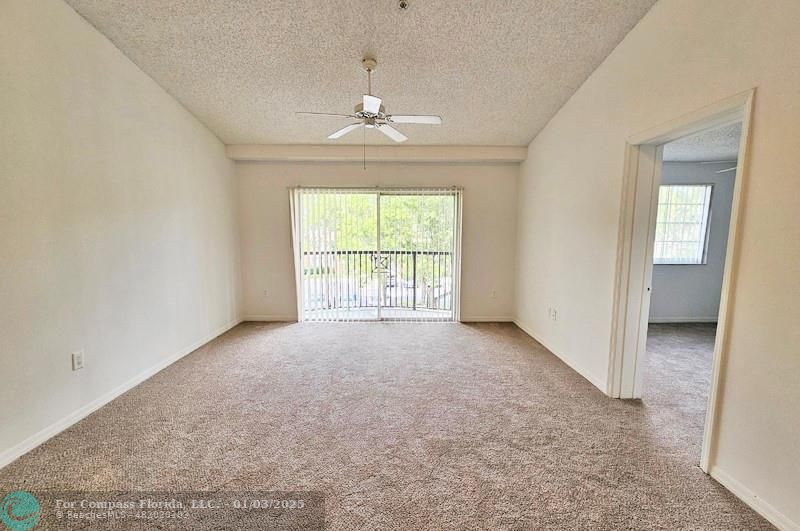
(552, 313)
(77, 360)
(555, 315)
(494, 293)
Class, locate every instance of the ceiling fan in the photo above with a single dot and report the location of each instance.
(722, 161)
(371, 114)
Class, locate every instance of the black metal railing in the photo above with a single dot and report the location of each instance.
(413, 280)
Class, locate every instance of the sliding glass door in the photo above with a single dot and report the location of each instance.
(417, 233)
(377, 255)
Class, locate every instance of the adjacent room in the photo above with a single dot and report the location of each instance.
(399, 264)
(690, 240)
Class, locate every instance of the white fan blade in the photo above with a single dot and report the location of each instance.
(326, 114)
(372, 104)
(392, 133)
(344, 130)
(414, 119)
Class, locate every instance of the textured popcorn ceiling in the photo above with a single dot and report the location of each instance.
(495, 71)
(721, 143)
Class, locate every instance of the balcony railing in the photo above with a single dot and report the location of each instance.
(413, 280)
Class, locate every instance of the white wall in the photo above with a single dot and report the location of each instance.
(488, 238)
(691, 293)
(118, 225)
(682, 56)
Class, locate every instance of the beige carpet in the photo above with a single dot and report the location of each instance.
(408, 426)
(676, 382)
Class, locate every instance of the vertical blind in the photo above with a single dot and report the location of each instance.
(370, 254)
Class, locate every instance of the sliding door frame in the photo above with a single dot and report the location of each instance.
(379, 191)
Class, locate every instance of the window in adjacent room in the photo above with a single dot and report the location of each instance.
(682, 224)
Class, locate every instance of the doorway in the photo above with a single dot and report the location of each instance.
(693, 211)
(377, 254)
(646, 238)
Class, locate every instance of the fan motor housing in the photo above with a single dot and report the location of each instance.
(359, 110)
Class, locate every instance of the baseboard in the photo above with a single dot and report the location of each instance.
(595, 381)
(758, 504)
(676, 320)
(292, 318)
(17, 451)
(485, 319)
(270, 318)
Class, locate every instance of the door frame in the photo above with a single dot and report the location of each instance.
(641, 178)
